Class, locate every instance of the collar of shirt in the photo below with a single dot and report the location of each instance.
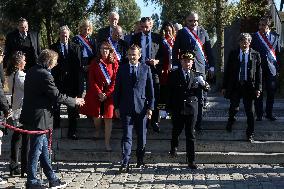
(186, 72)
(136, 65)
(24, 35)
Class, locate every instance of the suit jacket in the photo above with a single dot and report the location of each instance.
(182, 43)
(257, 45)
(39, 96)
(232, 70)
(138, 98)
(122, 48)
(102, 35)
(181, 93)
(65, 73)
(156, 48)
(13, 43)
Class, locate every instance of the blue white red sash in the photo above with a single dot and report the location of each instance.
(271, 58)
(86, 45)
(200, 54)
(105, 72)
(169, 47)
(117, 54)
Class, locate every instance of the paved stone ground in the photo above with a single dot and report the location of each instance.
(169, 176)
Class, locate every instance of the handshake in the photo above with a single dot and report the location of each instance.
(79, 101)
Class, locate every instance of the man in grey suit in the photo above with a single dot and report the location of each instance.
(195, 38)
(133, 102)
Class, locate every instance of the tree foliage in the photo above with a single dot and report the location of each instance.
(47, 16)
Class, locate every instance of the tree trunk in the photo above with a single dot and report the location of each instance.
(220, 43)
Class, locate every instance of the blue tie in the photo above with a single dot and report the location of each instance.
(147, 57)
(133, 75)
(243, 67)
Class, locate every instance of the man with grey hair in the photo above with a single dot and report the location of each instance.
(242, 79)
(104, 33)
(194, 38)
(66, 76)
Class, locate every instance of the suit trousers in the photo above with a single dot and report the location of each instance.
(72, 119)
(19, 141)
(188, 122)
(155, 116)
(200, 108)
(270, 88)
(138, 121)
(246, 93)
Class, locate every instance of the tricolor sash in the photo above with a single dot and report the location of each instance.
(86, 44)
(169, 48)
(200, 54)
(271, 57)
(117, 54)
(105, 73)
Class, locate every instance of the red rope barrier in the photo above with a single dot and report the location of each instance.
(16, 129)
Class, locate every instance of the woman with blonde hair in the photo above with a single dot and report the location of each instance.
(99, 97)
(88, 50)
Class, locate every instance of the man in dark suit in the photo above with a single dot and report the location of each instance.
(242, 79)
(183, 104)
(104, 33)
(66, 77)
(119, 45)
(150, 44)
(195, 38)
(133, 102)
(39, 96)
(23, 40)
(267, 43)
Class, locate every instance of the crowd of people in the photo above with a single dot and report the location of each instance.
(136, 77)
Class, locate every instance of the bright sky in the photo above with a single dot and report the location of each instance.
(148, 10)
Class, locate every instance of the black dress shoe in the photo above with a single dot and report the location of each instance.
(124, 168)
(250, 138)
(14, 170)
(156, 127)
(73, 137)
(192, 165)
(173, 152)
(259, 119)
(140, 164)
(271, 118)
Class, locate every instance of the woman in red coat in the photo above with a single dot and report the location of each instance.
(99, 97)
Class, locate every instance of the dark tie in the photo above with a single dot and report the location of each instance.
(133, 75)
(147, 57)
(243, 67)
(187, 77)
(65, 50)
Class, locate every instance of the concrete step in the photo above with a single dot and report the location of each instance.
(164, 145)
(163, 157)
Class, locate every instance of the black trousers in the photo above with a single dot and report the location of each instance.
(188, 122)
(20, 141)
(72, 119)
(246, 93)
(270, 88)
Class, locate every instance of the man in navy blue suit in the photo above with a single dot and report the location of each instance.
(133, 102)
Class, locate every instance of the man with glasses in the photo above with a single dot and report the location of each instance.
(195, 38)
(151, 44)
(266, 42)
(118, 44)
(22, 39)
